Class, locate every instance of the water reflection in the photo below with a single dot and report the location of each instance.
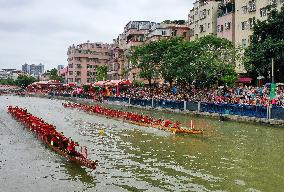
(76, 173)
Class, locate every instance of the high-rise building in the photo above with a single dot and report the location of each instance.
(203, 19)
(33, 69)
(83, 60)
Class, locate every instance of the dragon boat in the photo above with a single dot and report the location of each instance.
(120, 115)
(25, 118)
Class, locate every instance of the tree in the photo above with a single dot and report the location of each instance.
(54, 75)
(214, 59)
(8, 81)
(149, 57)
(202, 62)
(267, 43)
(101, 74)
(24, 80)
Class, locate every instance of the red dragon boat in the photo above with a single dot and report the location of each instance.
(133, 118)
(50, 137)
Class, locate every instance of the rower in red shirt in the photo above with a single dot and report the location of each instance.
(167, 123)
(71, 148)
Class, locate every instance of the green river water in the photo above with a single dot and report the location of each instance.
(228, 157)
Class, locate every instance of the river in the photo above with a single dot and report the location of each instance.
(229, 157)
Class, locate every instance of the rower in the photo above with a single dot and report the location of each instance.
(54, 141)
(176, 125)
(71, 148)
(167, 123)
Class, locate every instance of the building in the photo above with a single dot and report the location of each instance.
(83, 60)
(116, 64)
(63, 73)
(168, 30)
(134, 34)
(226, 20)
(203, 19)
(10, 73)
(247, 12)
(45, 76)
(33, 69)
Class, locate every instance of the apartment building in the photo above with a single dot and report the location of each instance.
(167, 30)
(247, 12)
(116, 64)
(134, 34)
(226, 20)
(203, 18)
(83, 60)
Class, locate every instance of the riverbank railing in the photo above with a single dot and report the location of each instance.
(257, 111)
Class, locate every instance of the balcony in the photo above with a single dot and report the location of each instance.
(225, 9)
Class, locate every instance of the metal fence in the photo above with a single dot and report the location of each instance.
(235, 109)
(277, 113)
(257, 111)
(232, 109)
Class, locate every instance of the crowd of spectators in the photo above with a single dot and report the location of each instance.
(247, 95)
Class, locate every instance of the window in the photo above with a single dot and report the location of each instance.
(70, 66)
(244, 42)
(263, 12)
(78, 80)
(228, 26)
(208, 25)
(208, 11)
(70, 80)
(220, 28)
(163, 32)
(272, 2)
(251, 22)
(250, 39)
(174, 33)
(191, 32)
(184, 34)
(251, 6)
(201, 28)
(70, 72)
(78, 65)
(244, 25)
(202, 14)
(78, 73)
(245, 9)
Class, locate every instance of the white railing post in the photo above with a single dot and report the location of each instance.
(152, 103)
(129, 100)
(184, 105)
(198, 107)
(269, 112)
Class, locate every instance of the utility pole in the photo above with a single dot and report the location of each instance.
(272, 71)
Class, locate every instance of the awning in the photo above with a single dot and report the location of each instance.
(113, 82)
(244, 80)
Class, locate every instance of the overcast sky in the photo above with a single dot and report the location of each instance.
(40, 31)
